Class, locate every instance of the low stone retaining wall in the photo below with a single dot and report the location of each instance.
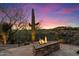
(41, 50)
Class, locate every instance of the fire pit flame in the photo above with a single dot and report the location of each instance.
(41, 41)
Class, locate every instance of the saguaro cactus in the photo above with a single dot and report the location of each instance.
(33, 24)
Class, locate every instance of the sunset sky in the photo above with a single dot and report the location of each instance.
(50, 15)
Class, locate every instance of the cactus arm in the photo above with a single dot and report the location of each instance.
(37, 23)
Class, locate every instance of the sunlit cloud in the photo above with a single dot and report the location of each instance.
(52, 22)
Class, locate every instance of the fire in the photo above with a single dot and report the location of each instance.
(41, 41)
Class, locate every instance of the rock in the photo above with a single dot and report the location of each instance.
(77, 52)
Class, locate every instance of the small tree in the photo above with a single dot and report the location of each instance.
(12, 18)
